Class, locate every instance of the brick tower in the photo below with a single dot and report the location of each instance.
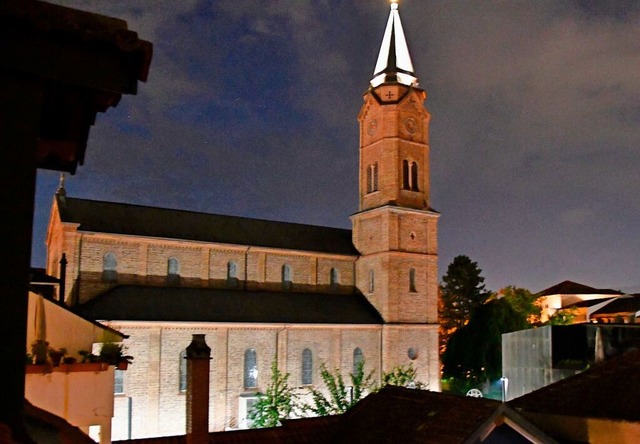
(395, 229)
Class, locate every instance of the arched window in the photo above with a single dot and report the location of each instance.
(250, 368)
(372, 282)
(413, 167)
(232, 274)
(109, 267)
(412, 280)
(372, 177)
(182, 371)
(286, 277)
(334, 278)
(307, 367)
(173, 270)
(405, 175)
(358, 359)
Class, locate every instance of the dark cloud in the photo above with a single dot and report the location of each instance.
(251, 108)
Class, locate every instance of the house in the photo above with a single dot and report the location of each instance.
(599, 405)
(572, 294)
(264, 291)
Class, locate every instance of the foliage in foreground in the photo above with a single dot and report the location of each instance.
(340, 397)
(403, 376)
(276, 403)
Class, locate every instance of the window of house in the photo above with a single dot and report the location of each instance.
(286, 277)
(250, 368)
(109, 267)
(412, 280)
(372, 285)
(173, 270)
(232, 274)
(358, 359)
(182, 371)
(118, 383)
(334, 278)
(307, 367)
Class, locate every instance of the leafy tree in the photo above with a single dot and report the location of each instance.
(276, 404)
(404, 376)
(564, 316)
(523, 302)
(461, 293)
(474, 352)
(340, 397)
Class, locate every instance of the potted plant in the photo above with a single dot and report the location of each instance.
(113, 353)
(56, 355)
(40, 351)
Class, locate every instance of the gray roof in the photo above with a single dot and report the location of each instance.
(178, 304)
(137, 220)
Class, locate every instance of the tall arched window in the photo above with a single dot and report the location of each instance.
(109, 267)
(358, 359)
(173, 270)
(182, 371)
(372, 177)
(250, 368)
(287, 277)
(307, 367)
(413, 176)
(334, 278)
(412, 280)
(372, 282)
(405, 175)
(232, 274)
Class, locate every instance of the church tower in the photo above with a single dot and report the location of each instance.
(395, 229)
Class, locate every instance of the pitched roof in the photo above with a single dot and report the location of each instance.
(606, 390)
(628, 304)
(178, 304)
(394, 62)
(569, 287)
(138, 220)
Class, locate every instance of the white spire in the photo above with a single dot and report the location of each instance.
(394, 62)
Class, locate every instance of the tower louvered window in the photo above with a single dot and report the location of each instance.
(372, 178)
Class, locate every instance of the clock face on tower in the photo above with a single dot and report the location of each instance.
(372, 127)
(410, 125)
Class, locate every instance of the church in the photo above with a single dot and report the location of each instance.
(263, 291)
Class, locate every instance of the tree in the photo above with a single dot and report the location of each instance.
(276, 404)
(403, 376)
(461, 293)
(563, 316)
(474, 352)
(340, 397)
(523, 302)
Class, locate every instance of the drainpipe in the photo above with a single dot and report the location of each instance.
(62, 277)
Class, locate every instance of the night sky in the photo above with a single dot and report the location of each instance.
(250, 110)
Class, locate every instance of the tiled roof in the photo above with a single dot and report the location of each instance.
(608, 390)
(137, 220)
(146, 303)
(569, 287)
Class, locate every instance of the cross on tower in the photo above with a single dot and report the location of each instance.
(389, 95)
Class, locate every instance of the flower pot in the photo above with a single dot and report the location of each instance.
(122, 365)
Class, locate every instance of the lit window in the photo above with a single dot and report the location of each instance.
(358, 359)
(182, 371)
(109, 267)
(412, 280)
(250, 368)
(372, 284)
(173, 270)
(286, 277)
(118, 383)
(232, 274)
(334, 278)
(307, 367)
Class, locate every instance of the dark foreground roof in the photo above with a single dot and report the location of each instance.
(569, 287)
(606, 390)
(628, 304)
(137, 220)
(143, 303)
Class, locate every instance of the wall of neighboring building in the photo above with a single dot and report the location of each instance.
(152, 398)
